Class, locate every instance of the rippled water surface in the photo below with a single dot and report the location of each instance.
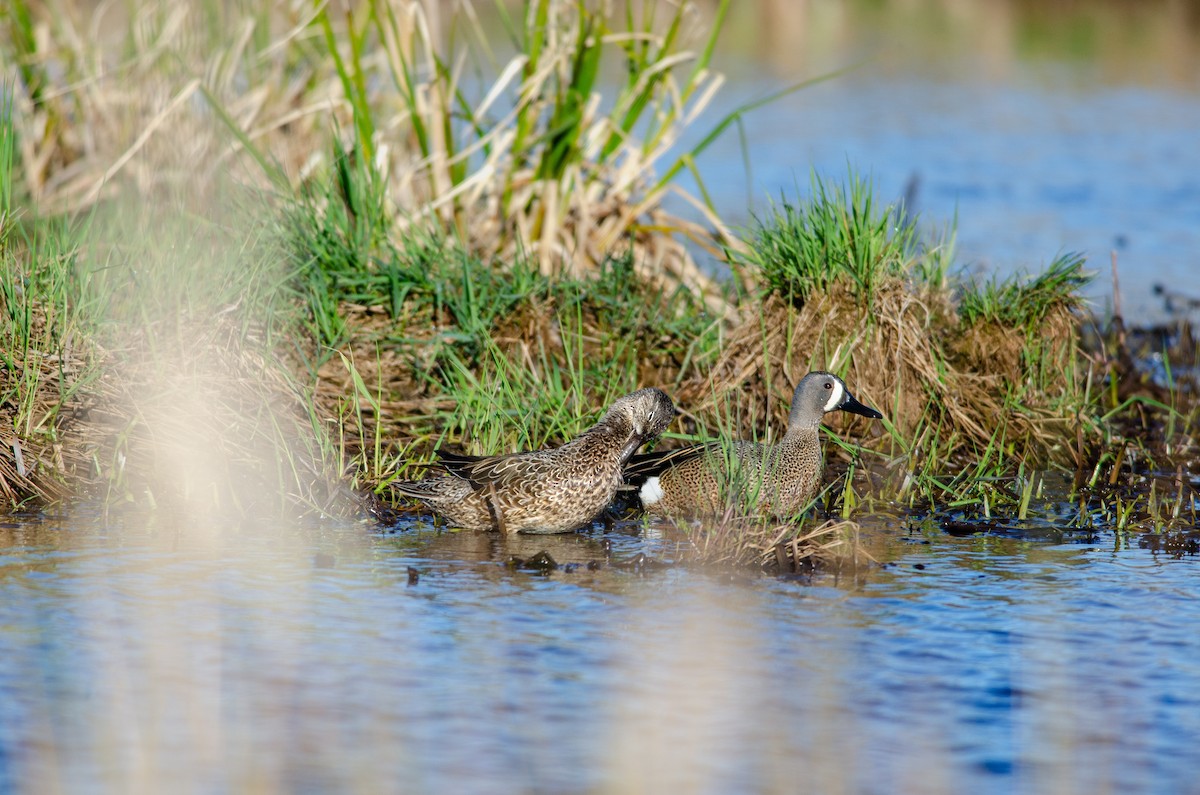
(265, 658)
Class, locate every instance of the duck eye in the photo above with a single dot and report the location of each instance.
(828, 385)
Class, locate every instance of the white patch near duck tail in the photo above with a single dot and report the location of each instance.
(651, 491)
(836, 397)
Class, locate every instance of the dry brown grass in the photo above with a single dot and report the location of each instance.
(908, 355)
(190, 415)
(122, 104)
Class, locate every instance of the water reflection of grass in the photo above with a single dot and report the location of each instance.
(1122, 41)
(392, 296)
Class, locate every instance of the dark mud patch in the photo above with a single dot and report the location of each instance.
(1028, 529)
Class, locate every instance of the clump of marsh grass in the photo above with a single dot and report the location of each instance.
(535, 160)
(837, 237)
(130, 334)
(46, 368)
(988, 373)
(832, 546)
(1026, 326)
(556, 160)
(204, 425)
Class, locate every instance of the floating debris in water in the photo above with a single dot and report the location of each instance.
(542, 563)
(413, 576)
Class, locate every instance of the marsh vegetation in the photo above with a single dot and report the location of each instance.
(257, 260)
(303, 258)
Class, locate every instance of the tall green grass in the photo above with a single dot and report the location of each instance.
(538, 119)
(8, 148)
(562, 153)
(44, 336)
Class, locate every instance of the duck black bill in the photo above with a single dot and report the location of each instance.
(854, 407)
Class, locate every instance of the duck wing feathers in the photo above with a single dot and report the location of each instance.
(647, 465)
(482, 471)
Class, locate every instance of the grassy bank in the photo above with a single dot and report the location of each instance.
(426, 244)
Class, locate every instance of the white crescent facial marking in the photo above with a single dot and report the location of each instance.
(651, 492)
(835, 398)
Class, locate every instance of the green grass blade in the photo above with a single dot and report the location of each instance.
(269, 167)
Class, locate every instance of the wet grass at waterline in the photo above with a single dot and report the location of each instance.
(47, 356)
(48, 363)
(807, 547)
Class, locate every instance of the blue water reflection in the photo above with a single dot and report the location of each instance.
(129, 660)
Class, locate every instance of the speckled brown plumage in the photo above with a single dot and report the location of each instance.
(546, 491)
(774, 480)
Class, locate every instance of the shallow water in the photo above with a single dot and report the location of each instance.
(132, 656)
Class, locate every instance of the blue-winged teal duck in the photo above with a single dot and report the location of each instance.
(547, 491)
(776, 480)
